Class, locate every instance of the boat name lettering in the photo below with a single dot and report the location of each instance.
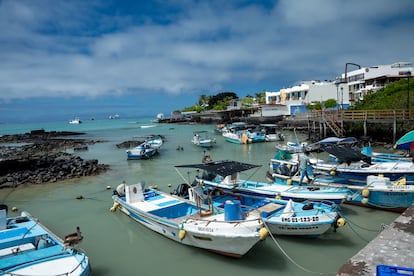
(205, 229)
(301, 219)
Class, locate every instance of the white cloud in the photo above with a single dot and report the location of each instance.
(70, 48)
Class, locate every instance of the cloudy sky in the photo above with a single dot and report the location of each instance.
(125, 54)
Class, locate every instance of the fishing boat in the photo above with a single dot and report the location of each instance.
(201, 139)
(29, 248)
(189, 223)
(378, 193)
(225, 175)
(351, 164)
(145, 150)
(75, 121)
(236, 133)
(307, 219)
(272, 133)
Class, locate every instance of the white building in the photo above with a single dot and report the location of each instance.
(346, 90)
(366, 79)
(295, 99)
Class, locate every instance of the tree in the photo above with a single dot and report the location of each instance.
(330, 103)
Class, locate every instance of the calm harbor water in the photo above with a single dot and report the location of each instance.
(117, 245)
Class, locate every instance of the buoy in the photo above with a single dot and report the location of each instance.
(169, 185)
(380, 175)
(108, 187)
(332, 172)
(365, 192)
(289, 181)
(288, 166)
(278, 197)
(263, 233)
(340, 222)
(155, 187)
(79, 197)
(14, 209)
(364, 200)
(181, 234)
(113, 208)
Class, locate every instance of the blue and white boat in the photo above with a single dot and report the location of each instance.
(225, 175)
(308, 219)
(236, 133)
(379, 192)
(29, 248)
(189, 223)
(147, 149)
(201, 139)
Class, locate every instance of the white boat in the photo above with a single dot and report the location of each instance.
(272, 133)
(189, 223)
(147, 149)
(75, 121)
(379, 192)
(29, 248)
(225, 175)
(308, 219)
(201, 139)
(235, 133)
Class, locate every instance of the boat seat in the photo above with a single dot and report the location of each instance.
(13, 260)
(269, 209)
(16, 249)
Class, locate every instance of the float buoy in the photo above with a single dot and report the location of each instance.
(113, 208)
(263, 233)
(289, 181)
(364, 200)
(340, 222)
(365, 192)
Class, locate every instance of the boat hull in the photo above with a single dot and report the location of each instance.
(209, 232)
(40, 252)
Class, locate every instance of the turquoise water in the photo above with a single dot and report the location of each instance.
(117, 245)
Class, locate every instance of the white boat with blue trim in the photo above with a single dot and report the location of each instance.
(189, 223)
(29, 248)
(225, 175)
(147, 149)
(307, 219)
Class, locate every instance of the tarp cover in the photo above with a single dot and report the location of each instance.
(223, 168)
(346, 153)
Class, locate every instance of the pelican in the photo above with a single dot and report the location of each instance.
(73, 239)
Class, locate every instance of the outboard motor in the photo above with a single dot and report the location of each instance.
(181, 190)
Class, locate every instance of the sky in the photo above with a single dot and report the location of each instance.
(79, 58)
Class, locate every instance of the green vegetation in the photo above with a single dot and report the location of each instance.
(394, 96)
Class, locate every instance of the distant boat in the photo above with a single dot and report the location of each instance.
(29, 248)
(75, 121)
(114, 117)
(201, 139)
(145, 150)
(148, 126)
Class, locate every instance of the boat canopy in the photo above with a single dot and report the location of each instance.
(223, 168)
(336, 140)
(346, 153)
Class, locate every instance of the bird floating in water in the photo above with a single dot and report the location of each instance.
(73, 239)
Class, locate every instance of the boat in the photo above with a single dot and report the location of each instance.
(225, 175)
(292, 147)
(307, 219)
(235, 133)
(353, 165)
(27, 247)
(201, 139)
(189, 223)
(147, 149)
(75, 121)
(378, 193)
(272, 133)
(255, 134)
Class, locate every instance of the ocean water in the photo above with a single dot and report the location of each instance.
(116, 245)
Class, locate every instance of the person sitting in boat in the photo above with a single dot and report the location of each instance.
(304, 163)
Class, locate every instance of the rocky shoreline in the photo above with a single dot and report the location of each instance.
(38, 157)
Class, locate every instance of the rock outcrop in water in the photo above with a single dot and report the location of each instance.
(38, 157)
